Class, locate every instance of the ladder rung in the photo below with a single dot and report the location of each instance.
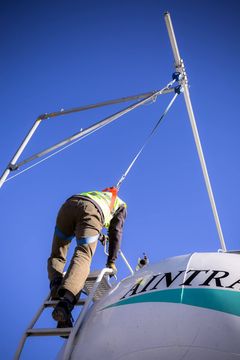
(49, 332)
(102, 289)
(92, 277)
(51, 303)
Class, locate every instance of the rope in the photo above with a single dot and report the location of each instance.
(51, 155)
(146, 142)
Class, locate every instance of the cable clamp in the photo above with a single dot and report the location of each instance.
(178, 89)
(177, 76)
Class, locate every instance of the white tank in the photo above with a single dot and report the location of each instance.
(185, 307)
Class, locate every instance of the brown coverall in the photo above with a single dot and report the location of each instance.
(81, 217)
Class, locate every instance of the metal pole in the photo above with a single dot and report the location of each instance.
(19, 152)
(126, 262)
(180, 67)
(103, 103)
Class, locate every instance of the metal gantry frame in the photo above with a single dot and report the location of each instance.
(179, 66)
(13, 165)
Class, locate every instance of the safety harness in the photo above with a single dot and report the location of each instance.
(114, 191)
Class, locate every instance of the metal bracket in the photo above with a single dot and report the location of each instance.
(177, 76)
(12, 167)
(44, 116)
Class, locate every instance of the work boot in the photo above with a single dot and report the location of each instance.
(65, 324)
(54, 286)
(62, 311)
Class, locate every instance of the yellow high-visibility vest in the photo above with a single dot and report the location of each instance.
(103, 199)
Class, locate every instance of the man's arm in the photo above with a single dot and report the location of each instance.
(115, 233)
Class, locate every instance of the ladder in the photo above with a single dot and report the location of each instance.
(96, 286)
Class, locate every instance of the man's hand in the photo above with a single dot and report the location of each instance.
(111, 265)
(103, 238)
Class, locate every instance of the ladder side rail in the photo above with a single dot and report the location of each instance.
(13, 161)
(68, 348)
(101, 104)
(31, 325)
(180, 67)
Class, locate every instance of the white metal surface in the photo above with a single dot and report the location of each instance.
(180, 67)
(185, 307)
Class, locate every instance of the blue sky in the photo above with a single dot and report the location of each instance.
(70, 53)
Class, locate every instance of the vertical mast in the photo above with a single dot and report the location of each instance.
(180, 68)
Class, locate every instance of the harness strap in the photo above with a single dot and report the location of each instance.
(147, 140)
(61, 235)
(114, 192)
(87, 240)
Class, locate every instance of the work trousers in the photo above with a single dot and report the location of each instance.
(79, 218)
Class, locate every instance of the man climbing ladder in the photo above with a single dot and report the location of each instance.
(82, 216)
